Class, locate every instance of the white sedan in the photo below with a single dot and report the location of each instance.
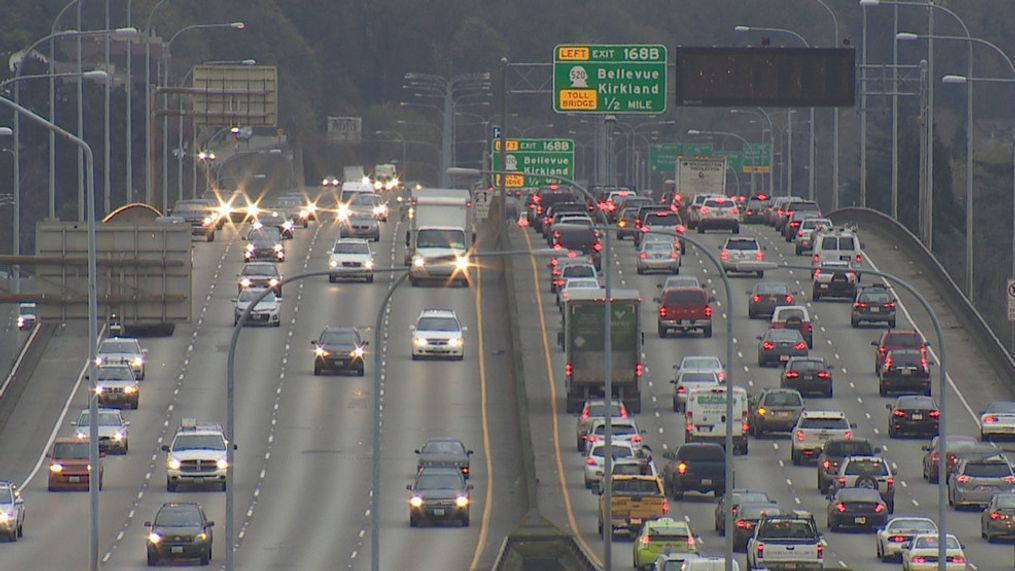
(597, 457)
(922, 554)
(895, 536)
(998, 420)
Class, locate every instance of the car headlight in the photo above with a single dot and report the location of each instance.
(358, 352)
(287, 225)
(343, 212)
(273, 282)
(325, 182)
(56, 468)
(208, 221)
(245, 282)
(98, 361)
(456, 342)
(320, 352)
(222, 464)
(378, 185)
(129, 390)
(394, 182)
(253, 210)
(202, 536)
(257, 225)
(174, 464)
(378, 210)
(21, 321)
(250, 247)
(4, 516)
(119, 436)
(416, 501)
(333, 263)
(369, 264)
(81, 435)
(461, 501)
(461, 263)
(418, 262)
(419, 341)
(99, 389)
(277, 247)
(154, 537)
(311, 208)
(138, 361)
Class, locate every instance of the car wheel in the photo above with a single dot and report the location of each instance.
(854, 322)
(815, 295)
(170, 485)
(152, 559)
(676, 405)
(794, 457)
(413, 282)
(829, 393)
(211, 237)
(799, 250)
(413, 521)
(736, 229)
(370, 279)
(640, 271)
(701, 229)
(891, 507)
(331, 279)
(205, 558)
(707, 332)
(891, 324)
(465, 521)
(361, 371)
(882, 391)
(759, 274)
(317, 369)
(662, 332)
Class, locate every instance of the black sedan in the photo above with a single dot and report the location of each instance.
(809, 375)
(766, 296)
(856, 508)
(747, 519)
(276, 219)
(905, 371)
(439, 494)
(444, 453)
(339, 349)
(779, 346)
(913, 415)
(180, 531)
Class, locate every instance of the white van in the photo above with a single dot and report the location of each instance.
(837, 245)
(706, 416)
(708, 564)
(353, 188)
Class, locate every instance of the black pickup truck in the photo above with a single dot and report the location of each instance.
(697, 467)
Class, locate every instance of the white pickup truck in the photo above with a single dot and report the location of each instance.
(789, 541)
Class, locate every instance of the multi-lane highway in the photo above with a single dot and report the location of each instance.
(562, 495)
(302, 469)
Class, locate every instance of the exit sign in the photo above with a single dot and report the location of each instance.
(609, 79)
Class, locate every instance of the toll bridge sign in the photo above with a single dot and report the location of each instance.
(613, 79)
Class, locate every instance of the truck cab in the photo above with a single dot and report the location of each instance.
(788, 541)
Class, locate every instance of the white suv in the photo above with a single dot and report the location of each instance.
(719, 212)
(438, 333)
(122, 350)
(737, 250)
(197, 455)
(816, 427)
(351, 258)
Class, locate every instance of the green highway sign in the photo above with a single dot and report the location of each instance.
(734, 160)
(663, 157)
(757, 158)
(539, 156)
(609, 78)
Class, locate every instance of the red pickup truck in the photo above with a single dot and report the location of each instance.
(685, 309)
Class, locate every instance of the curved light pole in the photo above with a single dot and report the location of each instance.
(835, 116)
(52, 108)
(149, 197)
(93, 335)
(810, 150)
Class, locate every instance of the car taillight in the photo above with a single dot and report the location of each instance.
(598, 246)
(899, 413)
(636, 438)
(800, 346)
(591, 461)
(789, 299)
(890, 305)
(879, 508)
(792, 375)
(744, 524)
(826, 465)
(639, 370)
(734, 210)
(934, 414)
(925, 364)
(644, 229)
(1009, 479)
(888, 363)
(662, 312)
(666, 507)
(756, 298)
(623, 412)
(841, 507)
(681, 229)
(883, 350)
(643, 255)
(768, 345)
(848, 436)
(821, 551)
(897, 539)
(724, 256)
(761, 550)
(918, 559)
(681, 389)
(859, 259)
(842, 481)
(816, 258)
(674, 255)
(990, 420)
(585, 414)
(808, 327)
(781, 212)
(682, 468)
(860, 305)
(800, 233)
(646, 539)
(759, 256)
(708, 311)
(956, 559)
(824, 375)
(996, 516)
(963, 479)
(890, 482)
(794, 223)
(800, 435)
(622, 223)
(568, 369)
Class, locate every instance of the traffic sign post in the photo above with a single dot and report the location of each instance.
(1011, 300)
(481, 204)
(609, 78)
(552, 157)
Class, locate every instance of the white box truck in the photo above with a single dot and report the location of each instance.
(700, 175)
(440, 226)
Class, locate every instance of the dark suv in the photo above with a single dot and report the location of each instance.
(696, 466)
(754, 213)
(264, 244)
(339, 349)
(543, 200)
(832, 455)
(579, 238)
(905, 371)
(873, 304)
(179, 531)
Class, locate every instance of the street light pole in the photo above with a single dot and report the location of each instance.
(835, 118)
(52, 112)
(149, 196)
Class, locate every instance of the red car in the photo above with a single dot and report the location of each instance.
(794, 317)
(891, 340)
(685, 309)
(68, 465)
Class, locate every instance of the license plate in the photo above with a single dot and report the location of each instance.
(706, 482)
(906, 372)
(917, 417)
(784, 357)
(438, 512)
(875, 310)
(783, 413)
(860, 520)
(176, 549)
(74, 479)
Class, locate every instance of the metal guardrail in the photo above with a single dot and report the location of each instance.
(974, 323)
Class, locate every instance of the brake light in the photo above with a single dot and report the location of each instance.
(897, 539)
(556, 234)
(848, 436)
(591, 461)
(963, 479)
(759, 256)
(859, 259)
(890, 482)
(662, 312)
(621, 224)
(824, 375)
(724, 256)
(636, 438)
(734, 210)
(889, 362)
(646, 539)
(800, 346)
(800, 233)
(681, 229)
(816, 259)
(681, 389)
(808, 327)
(705, 210)
(1009, 479)
(826, 465)
(794, 223)
(598, 246)
(644, 229)
(744, 524)
(898, 413)
(925, 364)
(666, 507)
(919, 559)
(890, 305)
(821, 551)
(841, 507)
(585, 414)
(842, 481)
(768, 345)
(682, 468)
(756, 298)
(996, 516)
(956, 559)
(639, 370)
(800, 435)
(934, 414)
(879, 508)
(781, 212)
(569, 369)
(792, 375)
(674, 255)
(761, 550)
(860, 305)
(708, 311)
(789, 299)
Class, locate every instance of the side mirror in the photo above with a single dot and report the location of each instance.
(279, 300)
(874, 343)
(407, 239)
(852, 425)
(656, 299)
(470, 487)
(465, 329)
(473, 237)
(470, 452)
(234, 300)
(102, 454)
(144, 350)
(210, 524)
(165, 448)
(147, 524)
(926, 448)
(408, 487)
(877, 450)
(888, 407)
(758, 337)
(668, 456)
(126, 423)
(416, 451)
(659, 286)
(235, 447)
(74, 423)
(244, 238)
(365, 343)
(711, 299)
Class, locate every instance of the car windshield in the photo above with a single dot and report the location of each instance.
(6, 495)
(438, 481)
(658, 246)
(259, 270)
(599, 409)
(582, 283)
(807, 365)
(178, 517)
(701, 363)
(742, 245)
(903, 340)
(848, 448)
(906, 357)
(688, 378)
(249, 295)
(718, 202)
(636, 485)
(771, 288)
(789, 529)
(824, 423)
(438, 324)
(182, 207)
(681, 282)
(443, 447)
(714, 453)
(114, 374)
(1004, 500)
(267, 234)
(576, 237)
(812, 223)
(866, 468)
(112, 346)
(876, 296)
(199, 442)
(914, 524)
(987, 469)
(339, 337)
(755, 511)
(661, 219)
(783, 398)
(617, 451)
(579, 271)
(351, 248)
(71, 451)
(434, 238)
(1001, 407)
(750, 498)
(684, 297)
(105, 419)
(791, 313)
(784, 335)
(618, 429)
(628, 468)
(931, 542)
